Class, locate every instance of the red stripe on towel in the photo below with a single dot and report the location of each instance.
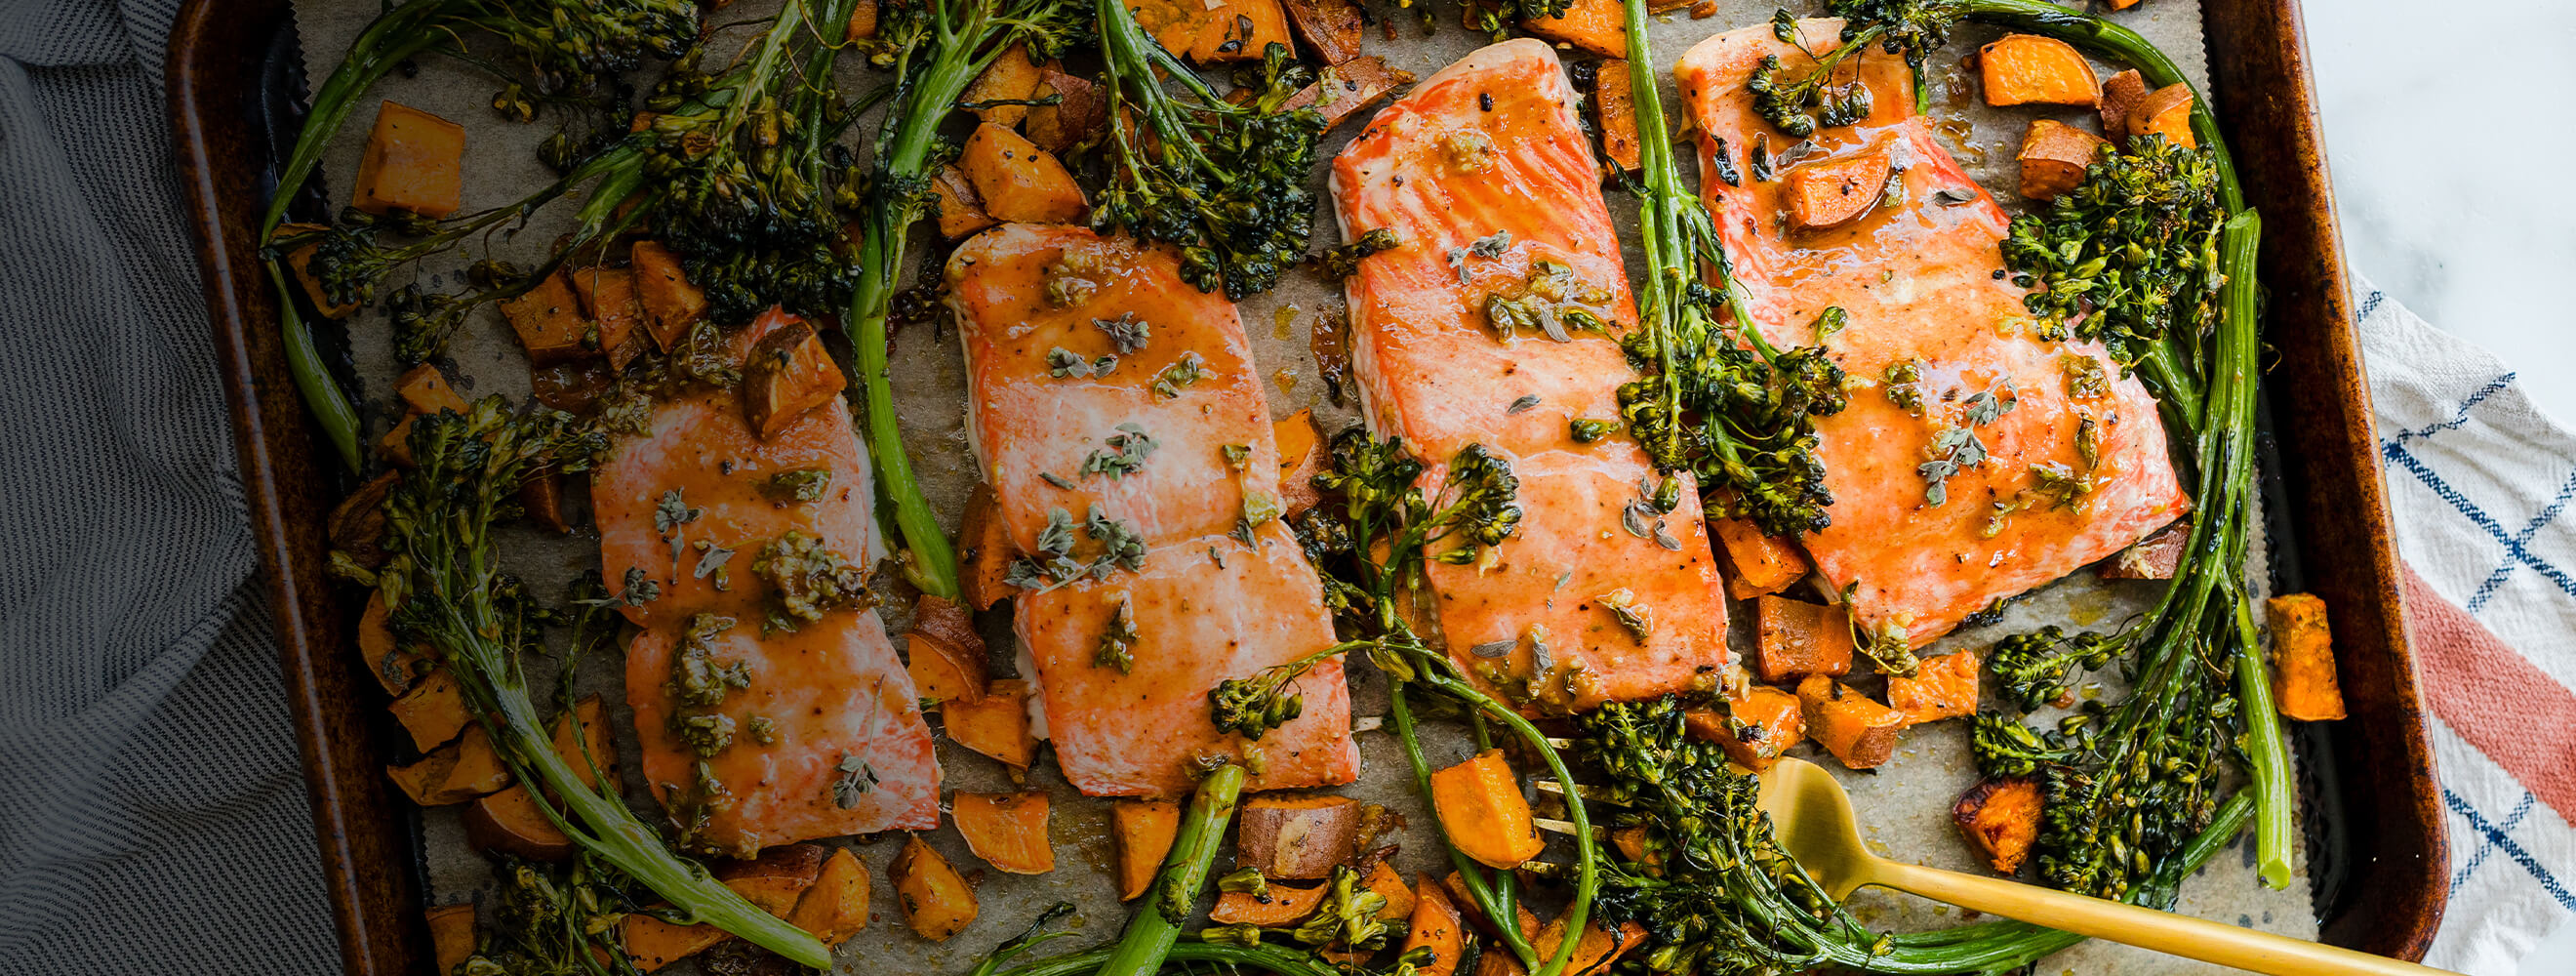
(2494, 697)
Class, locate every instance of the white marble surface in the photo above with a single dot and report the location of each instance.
(2446, 135)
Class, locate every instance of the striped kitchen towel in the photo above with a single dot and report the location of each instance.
(2479, 478)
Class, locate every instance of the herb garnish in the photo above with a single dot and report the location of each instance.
(1127, 332)
(856, 780)
(798, 485)
(1178, 376)
(1118, 643)
(1126, 454)
(1063, 363)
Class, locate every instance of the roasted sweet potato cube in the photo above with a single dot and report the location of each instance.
(961, 211)
(936, 900)
(1436, 924)
(426, 390)
(1615, 111)
(1019, 182)
(299, 261)
(1796, 639)
(671, 303)
(1465, 902)
(1756, 564)
(608, 298)
(788, 373)
(1857, 730)
(2028, 69)
(1833, 192)
(987, 551)
(1011, 77)
(453, 773)
(2054, 156)
(451, 936)
(393, 665)
(1330, 28)
(1078, 115)
(1595, 950)
(1007, 830)
(1942, 687)
(1301, 458)
(1345, 88)
(1598, 26)
(592, 716)
(1240, 30)
(1756, 729)
(945, 654)
(2165, 112)
(1277, 906)
(863, 20)
(395, 446)
(1383, 879)
(2122, 4)
(433, 711)
(1175, 24)
(549, 322)
(997, 726)
(1482, 810)
(836, 907)
(414, 161)
(775, 882)
(542, 498)
(2121, 94)
(1297, 837)
(357, 525)
(1145, 830)
(508, 822)
(2303, 666)
(2000, 818)
(652, 943)
(2151, 558)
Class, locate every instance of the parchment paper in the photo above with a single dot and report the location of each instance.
(1905, 805)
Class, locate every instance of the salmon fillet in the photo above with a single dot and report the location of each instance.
(829, 694)
(1485, 175)
(1215, 587)
(1923, 281)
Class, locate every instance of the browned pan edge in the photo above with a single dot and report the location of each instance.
(2388, 900)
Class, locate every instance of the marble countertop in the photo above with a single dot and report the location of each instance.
(2434, 219)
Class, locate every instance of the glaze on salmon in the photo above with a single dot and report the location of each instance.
(690, 502)
(1496, 322)
(1099, 382)
(2075, 460)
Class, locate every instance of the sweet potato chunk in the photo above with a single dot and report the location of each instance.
(2165, 112)
(1018, 181)
(2152, 558)
(997, 726)
(1857, 730)
(451, 935)
(1944, 687)
(671, 303)
(1240, 30)
(1145, 829)
(1614, 109)
(1595, 950)
(775, 883)
(549, 322)
(1083, 108)
(961, 211)
(357, 525)
(1277, 906)
(1007, 830)
(1012, 77)
(425, 390)
(433, 711)
(2303, 665)
(986, 541)
(836, 907)
(1756, 730)
(1383, 879)
(937, 902)
(944, 653)
(1833, 192)
(453, 773)
(2054, 156)
(2027, 69)
(299, 261)
(2000, 818)
(1465, 902)
(1598, 26)
(863, 20)
(508, 822)
(1301, 458)
(1330, 28)
(2121, 94)
(1436, 924)
(393, 665)
(1342, 89)
(592, 714)
(608, 297)
(788, 373)
(1482, 810)
(414, 161)
(1297, 837)
(1797, 639)
(1756, 564)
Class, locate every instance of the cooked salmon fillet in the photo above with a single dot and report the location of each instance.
(1485, 175)
(1923, 281)
(1217, 588)
(828, 694)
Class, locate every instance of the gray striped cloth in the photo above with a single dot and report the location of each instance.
(152, 817)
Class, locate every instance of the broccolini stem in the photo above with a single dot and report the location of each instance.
(1155, 928)
(1489, 903)
(323, 397)
(1587, 853)
(2265, 749)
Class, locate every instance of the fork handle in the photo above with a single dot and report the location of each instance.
(2166, 932)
